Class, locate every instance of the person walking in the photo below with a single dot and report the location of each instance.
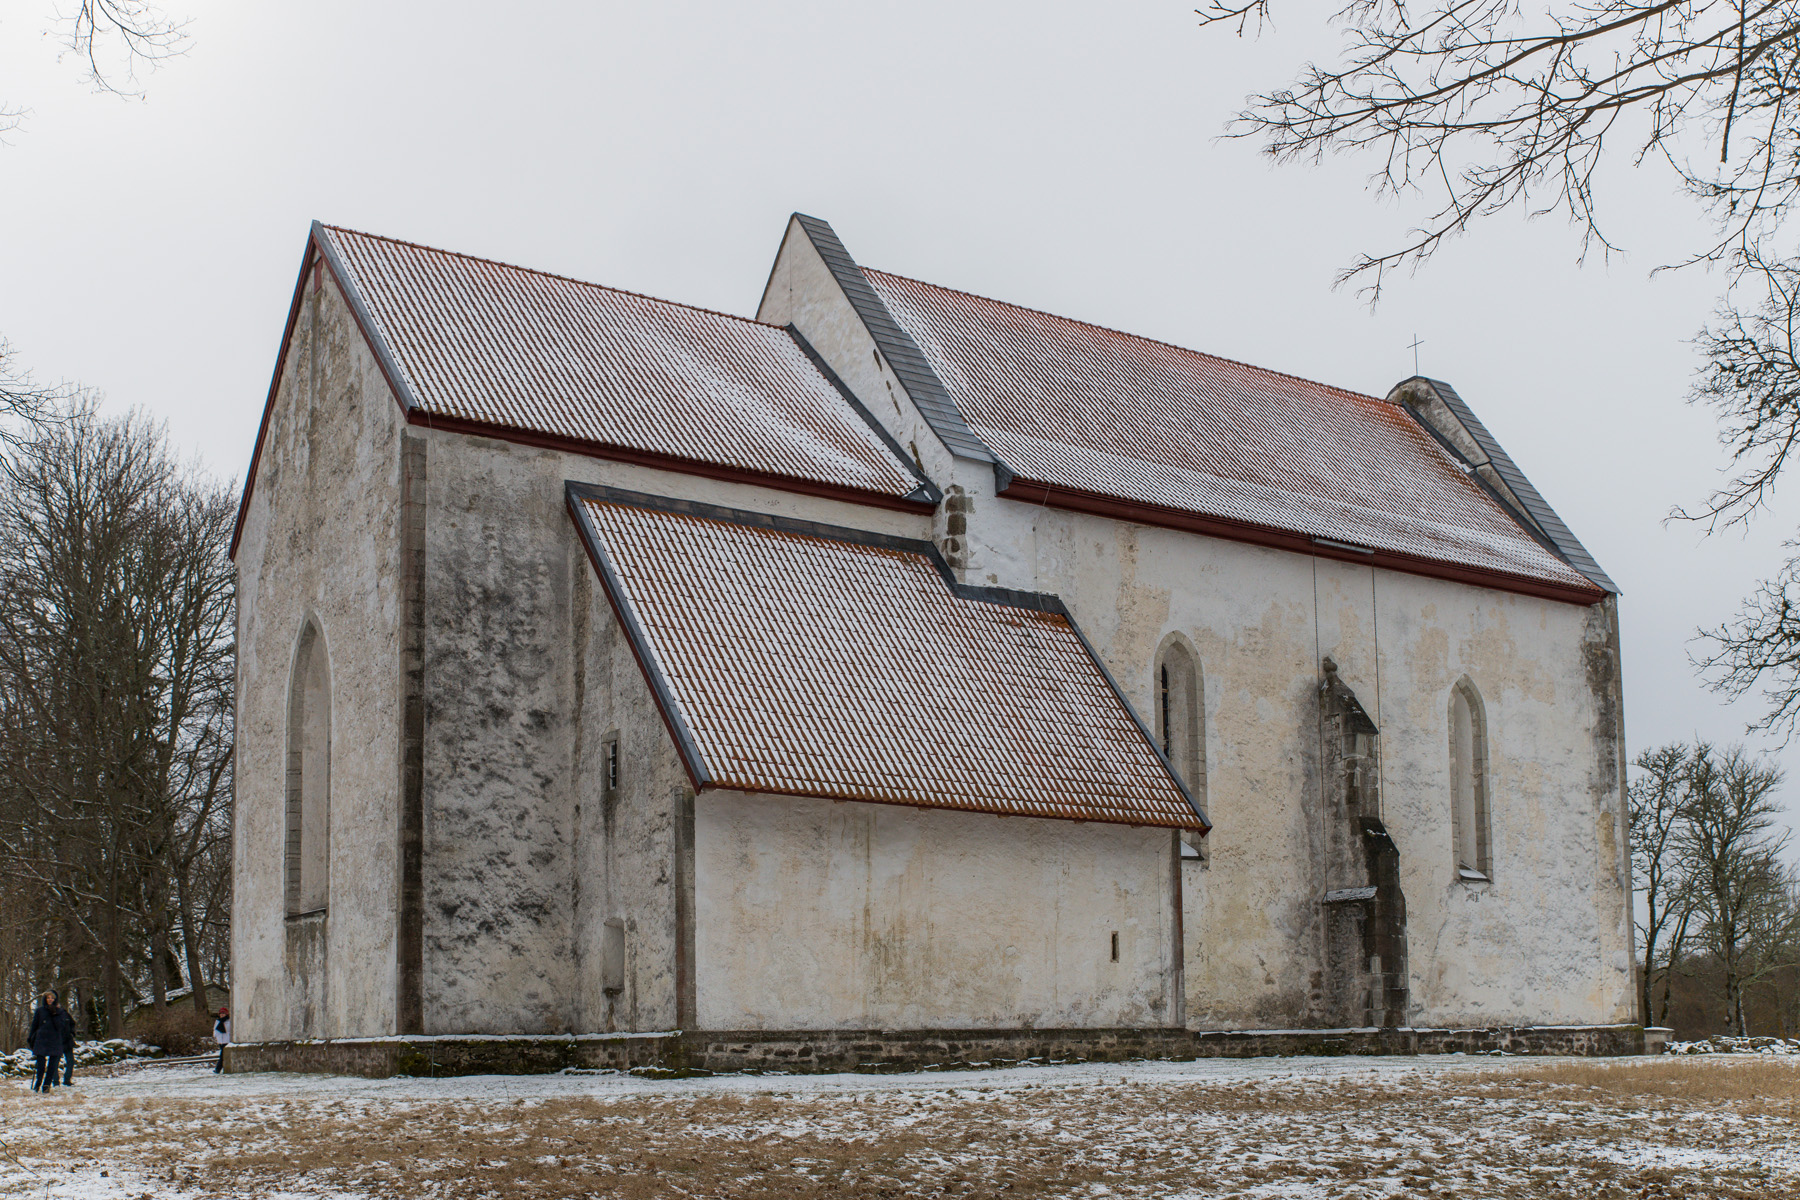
(46, 1041)
(68, 1055)
(222, 1035)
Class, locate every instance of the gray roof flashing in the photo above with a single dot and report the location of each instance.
(1509, 487)
(897, 347)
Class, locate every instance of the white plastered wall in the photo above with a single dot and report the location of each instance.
(812, 914)
(1546, 942)
(1549, 940)
(802, 292)
(321, 539)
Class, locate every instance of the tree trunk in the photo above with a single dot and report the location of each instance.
(1734, 1003)
(159, 982)
(159, 947)
(1675, 946)
(190, 941)
(115, 952)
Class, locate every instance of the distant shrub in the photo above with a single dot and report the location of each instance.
(18, 1064)
(178, 1029)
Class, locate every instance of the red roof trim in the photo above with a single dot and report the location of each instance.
(666, 462)
(1031, 491)
(712, 786)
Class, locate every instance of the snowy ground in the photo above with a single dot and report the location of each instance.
(1713, 1125)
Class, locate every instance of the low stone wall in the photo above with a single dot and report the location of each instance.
(430, 1057)
(688, 1053)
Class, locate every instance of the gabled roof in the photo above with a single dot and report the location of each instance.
(483, 347)
(1536, 510)
(801, 659)
(1081, 416)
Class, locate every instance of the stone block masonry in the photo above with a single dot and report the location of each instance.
(879, 1051)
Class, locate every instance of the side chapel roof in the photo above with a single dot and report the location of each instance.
(802, 659)
(1081, 416)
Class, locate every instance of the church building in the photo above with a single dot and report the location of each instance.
(900, 676)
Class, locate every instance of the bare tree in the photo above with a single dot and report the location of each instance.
(72, 836)
(115, 679)
(1732, 849)
(196, 626)
(111, 39)
(1751, 379)
(1488, 106)
(27, 406)
(1660, 874)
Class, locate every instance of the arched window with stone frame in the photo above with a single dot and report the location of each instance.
(1180, 727)
(308, 857)
(1470, 826)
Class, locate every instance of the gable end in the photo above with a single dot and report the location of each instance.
(897, 346)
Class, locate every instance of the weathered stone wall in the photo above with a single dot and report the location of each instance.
(628, 843)
(886, 1050)
(525, 676)
(320, 540)
(520, 678)
(813, 914)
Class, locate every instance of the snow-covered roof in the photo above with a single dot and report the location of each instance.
(518, 349)
(809, 660)
(1079, 408)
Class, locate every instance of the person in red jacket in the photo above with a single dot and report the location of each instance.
(222, 1035)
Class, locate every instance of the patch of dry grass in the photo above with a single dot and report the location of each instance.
(1675, 1129)
(1699, 1078)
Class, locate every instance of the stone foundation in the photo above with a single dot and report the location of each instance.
(700, 1052)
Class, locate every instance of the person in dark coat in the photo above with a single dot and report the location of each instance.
(68, 1024)
(46, 1041)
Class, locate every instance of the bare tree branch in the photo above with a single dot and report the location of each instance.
(1491, 107)
(112, 37)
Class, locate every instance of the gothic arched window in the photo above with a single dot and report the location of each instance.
(1469, 831)
(1181, 714)
(309, 775)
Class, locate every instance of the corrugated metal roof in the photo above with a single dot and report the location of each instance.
(799, 659)
(505, 346)
(1077, 406)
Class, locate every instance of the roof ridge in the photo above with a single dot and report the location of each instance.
(1136, 337)
(605, 287)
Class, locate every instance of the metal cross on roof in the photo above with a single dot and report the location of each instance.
(1416, 343)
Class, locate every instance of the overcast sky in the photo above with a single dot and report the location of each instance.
(1060, 155)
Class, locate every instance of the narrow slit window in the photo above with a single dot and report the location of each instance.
(1181, 714)
(1115, 946)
